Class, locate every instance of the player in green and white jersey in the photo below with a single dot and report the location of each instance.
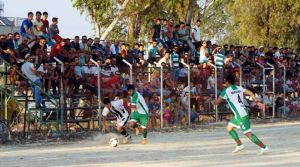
(234, 95)
(139, 111)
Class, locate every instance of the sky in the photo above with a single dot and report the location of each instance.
(70, 22)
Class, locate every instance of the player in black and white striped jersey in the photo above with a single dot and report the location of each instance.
(117, 108)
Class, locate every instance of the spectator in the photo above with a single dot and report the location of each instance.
(5, 52)
(83, 44)
(175, 58)
(203, 53)
(30, 72)
(165, 60)
(45, 28)
(75, 44)
(10, 41)
(37, 25)
(156, 30)
(183, 33)
(115, 48)
(58, 51)
(26, 28)
(54, 31)
(196, 34)
(16, 41)
(152, 51)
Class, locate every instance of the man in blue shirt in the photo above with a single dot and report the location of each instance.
(26, 28)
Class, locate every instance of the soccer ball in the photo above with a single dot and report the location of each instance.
(113, 142)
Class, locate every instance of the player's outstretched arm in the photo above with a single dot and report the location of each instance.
(251, 94)
(217, 102)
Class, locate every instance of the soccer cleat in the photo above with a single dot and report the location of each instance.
(137, 131)
(127, 139)
(144, 141)
(238, 148)
(263, 150)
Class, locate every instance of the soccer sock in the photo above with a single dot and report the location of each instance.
(255, 140)
(124, 133)
(144, 133)
(135, 125)
(235, 137)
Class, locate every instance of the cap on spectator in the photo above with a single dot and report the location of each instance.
(106, 100)
(261, 46)
(27, 55)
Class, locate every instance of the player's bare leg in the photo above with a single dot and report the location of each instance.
(124, 133)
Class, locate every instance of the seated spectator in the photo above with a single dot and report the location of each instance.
(37, 25)
(5, 52)
(115, 49)
(9, 41)
(16, 41)
(54, 31)
(26, 28)
(75, 44)
(23, 49)
(58, 51)
(83, 44)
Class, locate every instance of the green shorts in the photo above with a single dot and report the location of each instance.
(142, 118)
(243, 123)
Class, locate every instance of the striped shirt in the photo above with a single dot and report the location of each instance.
(219, 60)
(234, 95)
(138, 100)
(175, 59)
(117, 108)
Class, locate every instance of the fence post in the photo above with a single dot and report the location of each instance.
(216, 89)
(130, 72)
(189, 86)
(99, 93)
(241, 72)
(284, 83)
(61, 94)
(273, 89)
(264, 88)
(161, 94)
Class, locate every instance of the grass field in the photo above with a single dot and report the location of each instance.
(193, 147)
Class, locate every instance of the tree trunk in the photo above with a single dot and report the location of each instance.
(188, 18)
(114, 22)
(131, 27)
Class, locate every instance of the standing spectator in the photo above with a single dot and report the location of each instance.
(30, 72)
(54, 31)
(183, 33)
(196, 34)
(175, 58)
(219, 59)
(26, 28)
(203, 53)
(37, 25)
(115, 48)
(156, 30)
(152, 51)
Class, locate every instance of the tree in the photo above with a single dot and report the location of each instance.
(263, 22)
(96, 9)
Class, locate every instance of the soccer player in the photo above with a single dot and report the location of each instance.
(139, 112)
(117, 108)
(234, 95)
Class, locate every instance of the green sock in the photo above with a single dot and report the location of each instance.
(145, 133)
(255, 140)
(235, 136)
(135, 125)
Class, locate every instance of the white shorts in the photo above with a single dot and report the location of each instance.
(123, 122)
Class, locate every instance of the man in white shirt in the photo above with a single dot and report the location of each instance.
(196, 34)
(38, 24)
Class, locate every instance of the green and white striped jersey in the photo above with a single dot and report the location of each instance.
(219, 60)
(138, 100)
(235, 98)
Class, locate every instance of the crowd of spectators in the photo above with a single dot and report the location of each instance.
(34, 48)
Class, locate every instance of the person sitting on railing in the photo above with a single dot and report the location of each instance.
(54, 30)
(58, 51)
(30, 72)
(26, 28)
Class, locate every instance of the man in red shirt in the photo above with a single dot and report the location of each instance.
(58, 51)
(45, 28)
